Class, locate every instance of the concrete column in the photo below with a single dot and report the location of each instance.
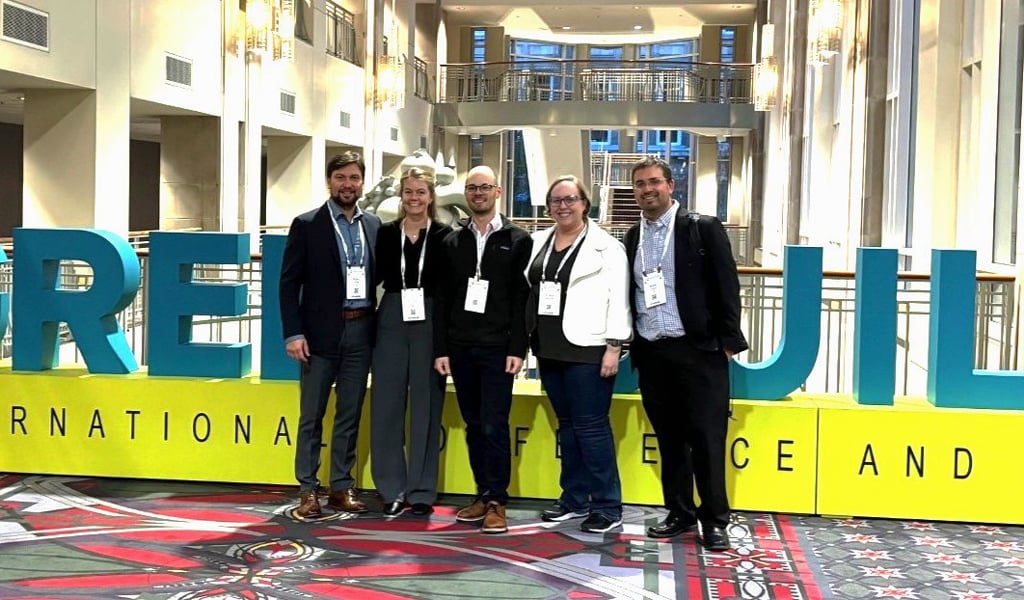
(230, 149)
(938, 129)
(190, 173)
(705, 174)
(76, 142)
(290, 180)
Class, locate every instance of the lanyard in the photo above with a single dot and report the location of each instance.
(423, 253)
(344, 246)
(568, 253)
(481, 243)
(666, 241)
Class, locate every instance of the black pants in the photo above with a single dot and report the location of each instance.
(686, 395)
(484, 391)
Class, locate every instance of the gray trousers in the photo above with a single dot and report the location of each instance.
(347, 372)
(404, 379)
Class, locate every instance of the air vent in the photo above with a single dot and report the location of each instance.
(346, 119)
(394, 134)
(178, 70)
(26, 26)
(287, 102)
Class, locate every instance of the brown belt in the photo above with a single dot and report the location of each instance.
(356, 313)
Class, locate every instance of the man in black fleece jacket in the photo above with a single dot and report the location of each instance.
(480, 339)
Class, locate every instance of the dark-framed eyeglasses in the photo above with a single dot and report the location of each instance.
(652, 183)
(483, 187)
(566, 200)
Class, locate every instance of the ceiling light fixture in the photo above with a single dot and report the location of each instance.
(638, 27)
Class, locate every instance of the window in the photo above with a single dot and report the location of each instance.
(723, 175)
(897, 199)
(538, 72)
(728, 44)
(341, 33)
(1007, 200)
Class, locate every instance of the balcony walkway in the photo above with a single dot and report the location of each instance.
(704, 98)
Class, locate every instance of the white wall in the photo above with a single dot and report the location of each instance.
(188, 29)
(71, 60)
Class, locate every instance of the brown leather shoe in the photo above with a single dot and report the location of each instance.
(309, 506)
(494, 519)
(346, 500)
(472, 513)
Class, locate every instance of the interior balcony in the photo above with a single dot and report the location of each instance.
(703, 98)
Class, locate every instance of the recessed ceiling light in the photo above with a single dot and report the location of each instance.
(566, 27)
(638, 27)
(636, 8)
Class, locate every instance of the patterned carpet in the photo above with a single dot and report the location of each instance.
(130, 539)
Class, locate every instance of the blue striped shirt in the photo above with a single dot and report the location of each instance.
(661, 321)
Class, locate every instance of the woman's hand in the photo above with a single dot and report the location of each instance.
(610, 361)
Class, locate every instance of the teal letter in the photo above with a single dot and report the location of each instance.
(274, 361)
(788, 368)
(42, 303)
(174, 298)
(874, 327)
(953, 382)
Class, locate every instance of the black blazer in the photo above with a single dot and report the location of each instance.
(707, 286)
(312, 288)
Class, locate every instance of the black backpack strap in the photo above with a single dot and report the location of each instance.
(696, 240)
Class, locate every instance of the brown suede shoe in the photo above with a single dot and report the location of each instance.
(472, 513)
(494, 519)
(346, 500)
(309, 506)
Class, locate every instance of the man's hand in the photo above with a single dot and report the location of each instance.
(442, 365)
(298, 349)
(513, 364)
(728, 354)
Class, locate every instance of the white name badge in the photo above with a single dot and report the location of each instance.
(355, 283)
(412, 305)
(549, 303)
(654, 289)
(476, 295)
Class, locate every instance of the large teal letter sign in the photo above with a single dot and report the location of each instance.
(174, 298)
(274, 361)
(793, 360)
(874, 327)
(41, 304)
(952, 379)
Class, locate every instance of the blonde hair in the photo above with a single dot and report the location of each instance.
(426, 177)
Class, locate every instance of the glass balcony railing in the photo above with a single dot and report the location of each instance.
(597, 81)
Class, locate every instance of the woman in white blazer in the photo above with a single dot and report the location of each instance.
(578, 317)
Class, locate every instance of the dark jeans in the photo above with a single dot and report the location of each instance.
(484, 391)
(347, 371)
(581, 399)
(686, 396)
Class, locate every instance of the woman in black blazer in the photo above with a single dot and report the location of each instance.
(409, 259)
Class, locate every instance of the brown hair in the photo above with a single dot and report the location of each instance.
(579, 186)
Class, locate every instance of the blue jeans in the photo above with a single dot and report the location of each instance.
(581, 399)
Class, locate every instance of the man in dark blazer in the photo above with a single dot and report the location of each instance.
(685, 299)
(327, 308)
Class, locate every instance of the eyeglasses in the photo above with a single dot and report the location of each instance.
(652, 183)
(483, 187)
(566, 200)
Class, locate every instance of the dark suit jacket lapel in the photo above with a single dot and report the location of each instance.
(325, 229)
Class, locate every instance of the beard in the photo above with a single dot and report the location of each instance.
(345, 199)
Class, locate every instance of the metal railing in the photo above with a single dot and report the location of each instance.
(761, 298)
(598, 81)
(341, 34)
(421, 79)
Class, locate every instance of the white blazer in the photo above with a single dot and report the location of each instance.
(597, 298)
